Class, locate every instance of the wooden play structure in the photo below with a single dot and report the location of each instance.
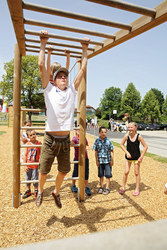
(149, 18)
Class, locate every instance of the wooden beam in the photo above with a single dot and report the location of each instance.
(74, 39)
(58, 44)
(57, 54)
(139, 26)
(67, 28)
(127, 7)
(16, 12)
(57, 12)
(54, 49)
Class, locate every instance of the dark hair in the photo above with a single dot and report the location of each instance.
(27, 121)
(102, 127)
(28, 131)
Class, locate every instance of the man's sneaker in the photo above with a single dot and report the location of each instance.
(87, 190)
(57, 200)
(39, 200)
(26, 194)
(74, 189)
(35, 193)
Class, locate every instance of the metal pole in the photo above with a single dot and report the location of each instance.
(16, 127)
(82, 142)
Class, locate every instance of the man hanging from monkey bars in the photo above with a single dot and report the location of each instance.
(60, 104)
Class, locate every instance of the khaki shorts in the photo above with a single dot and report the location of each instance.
(59, 147)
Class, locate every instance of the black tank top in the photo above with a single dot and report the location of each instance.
(133, 148)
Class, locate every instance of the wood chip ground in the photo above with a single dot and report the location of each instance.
(29, 224)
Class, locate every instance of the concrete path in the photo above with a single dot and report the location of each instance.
(149, 236)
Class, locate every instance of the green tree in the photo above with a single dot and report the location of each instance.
(150, 107)
(160, 97)
(98, 112)
(131, 101)
(164, 108)
(110, 101)
(6, 85)
(31, 87)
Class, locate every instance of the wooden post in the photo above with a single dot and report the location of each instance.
(16, 127)
(23, 116)
(82, 136)
(78, 97)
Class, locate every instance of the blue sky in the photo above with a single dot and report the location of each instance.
(141, 60)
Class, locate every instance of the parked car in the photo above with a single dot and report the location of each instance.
(153, 126)
(163, 126)
(141, 126)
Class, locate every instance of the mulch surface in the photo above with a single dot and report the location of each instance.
(29, 224)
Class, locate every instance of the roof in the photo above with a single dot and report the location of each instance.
(28, 40)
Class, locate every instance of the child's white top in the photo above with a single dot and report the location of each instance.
(60, 107)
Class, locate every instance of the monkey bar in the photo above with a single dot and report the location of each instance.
(150, 18)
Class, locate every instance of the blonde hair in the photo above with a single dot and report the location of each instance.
(133, 123)
(55, 66)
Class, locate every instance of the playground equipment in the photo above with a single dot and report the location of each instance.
(150, 18)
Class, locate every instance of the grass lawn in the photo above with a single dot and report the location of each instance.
(2, 132)
(153, 156)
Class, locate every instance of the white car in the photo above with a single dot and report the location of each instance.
(122, 127)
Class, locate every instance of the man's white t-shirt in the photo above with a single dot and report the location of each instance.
(60, 107)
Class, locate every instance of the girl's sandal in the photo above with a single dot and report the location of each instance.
(121, 191)
(136, 193)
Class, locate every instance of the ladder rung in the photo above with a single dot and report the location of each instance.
(30, 146)
(33, 110)
(49, 180)
(37, 163)
(33, 128)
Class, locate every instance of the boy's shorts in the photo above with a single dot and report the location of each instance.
(75, 171)
(105, 168)
(32, 174)
(59, 147)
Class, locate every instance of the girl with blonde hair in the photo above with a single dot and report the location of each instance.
(133, 155)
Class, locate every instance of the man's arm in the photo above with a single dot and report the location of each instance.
(50, 49)
(41, 59)
(67, 52)
(82, 71)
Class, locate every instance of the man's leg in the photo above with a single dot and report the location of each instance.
(63, 158)
(42, 180)
(55, 193)
(59, 181)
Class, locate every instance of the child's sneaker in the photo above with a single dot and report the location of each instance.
(27, 194)
(87, 190)
(74, 189)
(35, 193)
